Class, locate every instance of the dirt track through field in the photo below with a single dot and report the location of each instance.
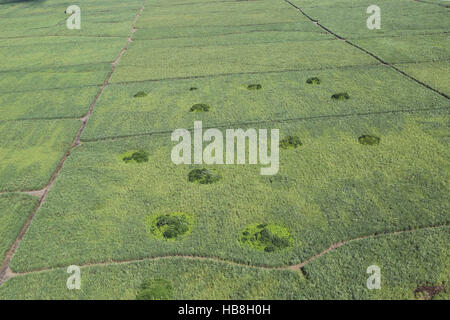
(295, 268)
(5, 271)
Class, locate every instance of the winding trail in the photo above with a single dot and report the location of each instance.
(295, 268)
(5, 270)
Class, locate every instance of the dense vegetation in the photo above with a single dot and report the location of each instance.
(203, 176)
(137, 156)
(266, 237)
(171, 226)
(155, 289)
(363, 168)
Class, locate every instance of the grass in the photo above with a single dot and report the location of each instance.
(240, 58)
(14, 210)
(286, 95)
(50, 52)
(407, 261)
(31, 150)
(331, 178)
(71, 102)
(374, 164)
(433, 73)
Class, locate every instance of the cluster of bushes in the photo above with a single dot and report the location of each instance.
(266, 237)
(290, 142)
(200, 107)
(138, 156)
(313, 80)
(340, 96)
(369, 140)
(155, 289)
(140, 94)
(254, 87)
(202, 176)
(171, 226)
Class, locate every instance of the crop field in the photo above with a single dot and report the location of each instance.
(87, 171)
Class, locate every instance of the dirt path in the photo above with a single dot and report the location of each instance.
(294, 268)
(5, 271)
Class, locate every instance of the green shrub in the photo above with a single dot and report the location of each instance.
(266, 237)
(369, 140)
(254, 87)
(170, 226)
(340, 96)
(202, 176)
(140, 94)
(200, 107)
(192, 88)
(290, 142)
(138, 156)
(155, 289)
(313, 80)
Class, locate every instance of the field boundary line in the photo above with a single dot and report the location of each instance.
(273, 30)
(295, 267)
(48, 68)
(432, 3)
(367, 52)
(49, 89)
(5, 270)
(256, 122)
(217, 75)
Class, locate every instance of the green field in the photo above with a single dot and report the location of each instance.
(367, 182)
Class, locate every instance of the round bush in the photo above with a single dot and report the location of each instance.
(155, 289)
(340, 96)
(313, 80)
(140, 94)
(266, 237)
(200, 107)
(290, 142)
(202, 176)
(138, 156)
(171, 226)
(254, 87)
(369, 140)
